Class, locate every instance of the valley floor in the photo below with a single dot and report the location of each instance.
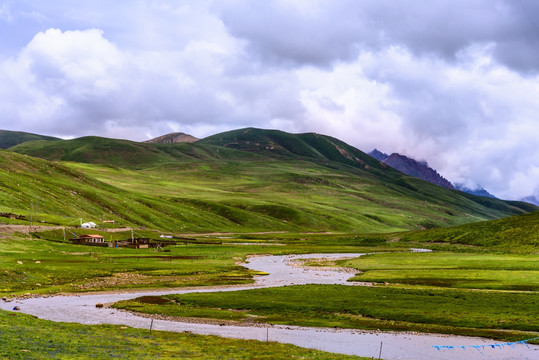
(283, 271)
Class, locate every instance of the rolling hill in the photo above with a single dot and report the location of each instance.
(519, 233)
(122, 153)
(63, 195)
(277, 144)
(12, 138)
(243, 180)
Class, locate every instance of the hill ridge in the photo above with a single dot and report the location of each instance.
(10, 138)
(259, 180)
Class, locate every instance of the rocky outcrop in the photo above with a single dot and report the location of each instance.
(172, 138)
(417, 169)
(378, 155)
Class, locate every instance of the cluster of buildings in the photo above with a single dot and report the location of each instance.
(99, 240)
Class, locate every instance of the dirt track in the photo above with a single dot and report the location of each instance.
(25, 229)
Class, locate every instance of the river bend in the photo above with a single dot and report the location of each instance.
(282, 271)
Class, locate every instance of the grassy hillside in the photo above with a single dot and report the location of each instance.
(12, 138)
(277, 144)
(297, 196)
(63, 195)
(245, 144)
(121, 153)
(516, 233)
(244, 180)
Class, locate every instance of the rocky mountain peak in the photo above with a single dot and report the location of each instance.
(378, 155)
(418, 169)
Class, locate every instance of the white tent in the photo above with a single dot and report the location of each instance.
(88, 225)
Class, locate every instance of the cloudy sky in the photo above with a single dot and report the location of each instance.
(452, 82)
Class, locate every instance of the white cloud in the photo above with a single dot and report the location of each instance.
(347, 104)
(79, 82)
(290, 33)
(451, 82)
(5, 12)
(474, 119)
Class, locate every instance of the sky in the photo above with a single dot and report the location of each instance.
(452, 82)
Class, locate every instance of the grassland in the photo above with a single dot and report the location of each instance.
(421, 305)
(511, 234)
(48, 267)
(243, 181)
(471, 292)
(51, 266)
(25, 337)
(456, 270)
(452, 311)
(313, 193)
(212, 260)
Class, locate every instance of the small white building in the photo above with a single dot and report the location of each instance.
(88, 225)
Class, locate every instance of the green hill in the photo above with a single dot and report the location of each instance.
(515, 233)
(12, 138)
(122, 153)
(63, 195)
(277, 144)
(244, 144)
(243, 180)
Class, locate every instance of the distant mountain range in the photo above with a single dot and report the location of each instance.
(417, 169)
(531, 199)
(422, 170)
(479, 191)
(378, 155)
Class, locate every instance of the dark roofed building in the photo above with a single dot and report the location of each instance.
(93, 240)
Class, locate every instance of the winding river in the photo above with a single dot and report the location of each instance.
(283, 270)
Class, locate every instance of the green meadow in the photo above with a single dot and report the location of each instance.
(456, 270)
(249, 192)
(471, 290)
(40, 266)
(48, 265)
(26, 337)
(242, 181)
(452, 311)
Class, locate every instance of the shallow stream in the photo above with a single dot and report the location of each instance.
(283, 270)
